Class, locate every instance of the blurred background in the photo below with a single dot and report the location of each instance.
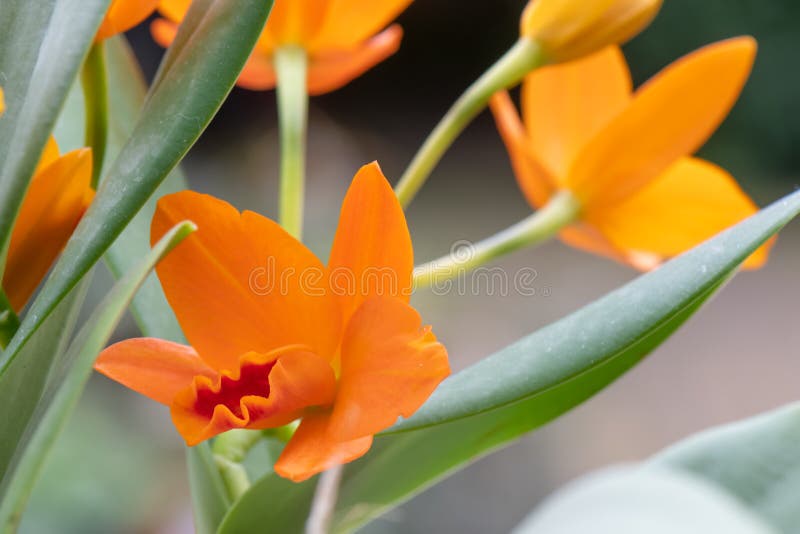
(120, 465)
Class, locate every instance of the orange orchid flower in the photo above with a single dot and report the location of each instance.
(123, 15)
(626, 156)
(276, 336)
(57, 198)
(340, 37)
(568, 29)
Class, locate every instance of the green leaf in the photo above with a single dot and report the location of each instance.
(288, 509)
(64, 389)
(24, 382)
(42, 46)
(632, 499)
(127, 91)
(756, 461)
(210, 500)
(177, 110)
(535, 380)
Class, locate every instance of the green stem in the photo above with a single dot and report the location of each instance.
(562, 210)
(95, 95)
(234, 476)
(230, 449)
(291, 65)
(522, 58)
(9, 322)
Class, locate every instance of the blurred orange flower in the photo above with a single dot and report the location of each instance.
(123, 15)
(276, 336)
(626, 156)
(57, 197)
(340, 37)
(569, 29)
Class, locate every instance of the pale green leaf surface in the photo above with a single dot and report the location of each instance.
(756, 461)
(635, 500)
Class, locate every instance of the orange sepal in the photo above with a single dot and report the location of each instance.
(372, 253)
(329, 71)
(390, 366)
(689, 203)
(313, 449)
(241, 283)
(124, 15)
(54, 204)
(351, 22)
(155, 368)
(670, 117)
(566, 105)
(163, 31)
(267, 391)
(533, 179)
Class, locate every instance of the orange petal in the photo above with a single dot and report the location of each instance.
(54, 204)
(312, 449)
(163, 31)
(124, 15)
(564, 106)
(390, 366)
(689, 203)
(49, 155)
(155, 368)
(266, 391)
(670, 117)
(241, 283)
(534, 181)
(258, 73)
(585, 237)
(293, 22)
(351, 22)
(332, 70)
(371, 253)
(174, 10)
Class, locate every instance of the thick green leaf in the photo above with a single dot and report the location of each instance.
(533, 381)
(64, 389)
(632, 499)
(42, 46)
(176, 111)
(757, 461)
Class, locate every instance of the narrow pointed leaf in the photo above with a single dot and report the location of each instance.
(533, 381)
(64, 389)
(24, 382)
(42, 46)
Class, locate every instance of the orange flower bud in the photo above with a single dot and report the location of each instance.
(568, 29)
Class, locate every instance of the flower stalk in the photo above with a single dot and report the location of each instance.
(525, 56)
(291, 65)
(562, 210)
(94, 82)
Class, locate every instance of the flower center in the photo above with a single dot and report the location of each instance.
(251, 381)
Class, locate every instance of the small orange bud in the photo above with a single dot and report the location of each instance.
(568, 29)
